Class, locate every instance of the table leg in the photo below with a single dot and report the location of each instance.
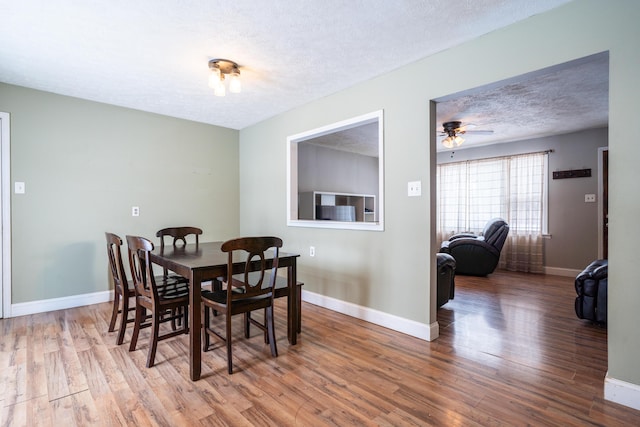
(195, 351)
(292, 304)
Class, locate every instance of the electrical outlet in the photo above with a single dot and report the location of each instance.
(312, 251)
(135, 211)
(19, 187)
(589, 198)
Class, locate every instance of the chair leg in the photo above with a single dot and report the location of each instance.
(205, 324)
(247, 322)
(153, 344)
(270, 323)
(228, 327)
(266, 328)
(185, 319)
(174, 313)
(216, 286)
(114, 313)
(140, 315)
(124, 319)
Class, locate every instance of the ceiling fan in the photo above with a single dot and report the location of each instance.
(454, 129)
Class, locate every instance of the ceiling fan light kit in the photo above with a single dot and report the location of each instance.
(452, 139)
(222, 69)
(453, 130)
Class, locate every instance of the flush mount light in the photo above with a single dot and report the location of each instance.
(221, 70)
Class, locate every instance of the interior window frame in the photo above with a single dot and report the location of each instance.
(292, 174)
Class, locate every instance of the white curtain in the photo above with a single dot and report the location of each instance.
(472, 192)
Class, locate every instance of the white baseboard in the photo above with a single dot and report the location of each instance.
(564, 272)
(396, 323)
(42, 306)
(622, 392)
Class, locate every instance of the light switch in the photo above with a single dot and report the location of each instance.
(19, 187)
(135, 211)
(589, 198)
(414, 188)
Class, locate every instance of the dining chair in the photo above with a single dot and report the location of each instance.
(165, 299)
(122, 290)
(245, 293)
(178, 234)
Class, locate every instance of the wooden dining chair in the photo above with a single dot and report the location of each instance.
(246, 293)
(166, 300)
(179, 234)
(122, 290)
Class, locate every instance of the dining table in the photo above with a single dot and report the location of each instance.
(202, 262)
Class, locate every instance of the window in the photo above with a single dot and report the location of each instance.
(335, 175)
(514, 188)
(472, 192)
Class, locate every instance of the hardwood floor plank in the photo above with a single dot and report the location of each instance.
(511, 352)
(62, 412)
(36, 374)
(39, 412)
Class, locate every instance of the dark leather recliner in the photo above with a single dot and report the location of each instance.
(446, 268)
(478, 255)
(591, 287)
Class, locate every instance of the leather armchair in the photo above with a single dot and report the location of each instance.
(591, 287)
(478, 255)
(446, 267)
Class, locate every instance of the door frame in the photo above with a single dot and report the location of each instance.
(601, 218)
(5, 212)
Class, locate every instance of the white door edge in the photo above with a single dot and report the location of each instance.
(5, 231)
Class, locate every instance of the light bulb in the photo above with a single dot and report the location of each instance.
(448, 142)
(219, 90)
(214, 78)
(235, 86)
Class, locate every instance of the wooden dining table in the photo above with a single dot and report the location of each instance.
(205, 261)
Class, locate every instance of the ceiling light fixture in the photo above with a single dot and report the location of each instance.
(222, 69)
(452, 139)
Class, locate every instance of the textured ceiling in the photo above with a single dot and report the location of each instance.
(565, 98)
(561, 99)
(152, 55)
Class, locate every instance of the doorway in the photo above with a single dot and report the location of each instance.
(484, 109)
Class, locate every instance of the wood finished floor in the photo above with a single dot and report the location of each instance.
(511, 352)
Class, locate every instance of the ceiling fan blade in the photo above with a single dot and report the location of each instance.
(478, 132)
(456, 127)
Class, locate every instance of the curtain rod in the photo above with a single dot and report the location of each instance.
(550, 150)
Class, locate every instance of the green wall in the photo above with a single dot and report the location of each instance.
(85, 165)
(390, 271)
